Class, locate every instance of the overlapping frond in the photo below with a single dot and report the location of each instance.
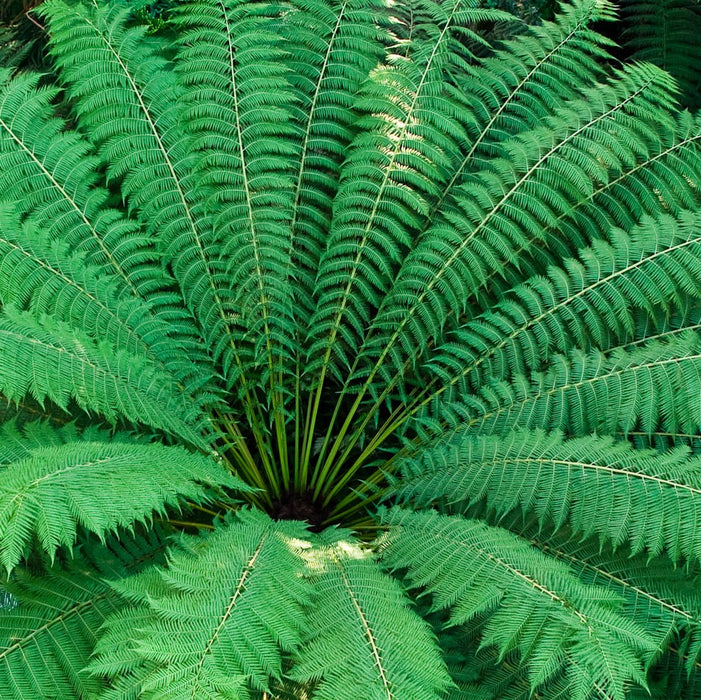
(648, 499)
(128, 102)
(54, 489)
(663, 32)
(660, 596)
(364, 640)
(533, 604)
(239, 108)
(213, 623)
(539, 176)
(332, 49)
(412, 132)
(46, 359)
(516, 86)
(49, 619)
(653, 387)
(595, 301)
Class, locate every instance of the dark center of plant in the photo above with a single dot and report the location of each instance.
(301, 506)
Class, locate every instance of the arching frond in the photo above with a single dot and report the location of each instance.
(332, 49)
(364, 640)
(543, 173)
(515, 87)
(134, 119)
(412, 132)
(239, 108)
(47, 359)
(649, 388)
(598, 486)
(533, 604)
(52, 490)
(213, 623)
(595, 301)
(49, 620)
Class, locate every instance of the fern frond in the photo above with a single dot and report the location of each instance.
(534, 605)
(660, 596)
(595, 301)
(46, 641)
(53, 489)
(649, 388)
(49, 175)
(598, 486)
(663, 32)
(545, 174)
(514, 88)
(332, 49)
(49, 620)
(51, 360)
(133, 118)
(239, 109)
(364, 640)
(46, 278)
(412, 132)
(214, 622)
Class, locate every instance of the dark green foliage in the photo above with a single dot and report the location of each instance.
(346, 355)
(666, 33)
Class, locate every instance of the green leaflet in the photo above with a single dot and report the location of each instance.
(364, 640)
(533, 605)
(50, 618)
(653, 500)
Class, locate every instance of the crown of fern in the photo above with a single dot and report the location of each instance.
(347, 356)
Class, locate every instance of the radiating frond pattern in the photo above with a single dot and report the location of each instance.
(346, 355)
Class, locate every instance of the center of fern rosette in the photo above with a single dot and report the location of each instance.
(301, 506)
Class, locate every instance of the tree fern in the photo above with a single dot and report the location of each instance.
(344, 354)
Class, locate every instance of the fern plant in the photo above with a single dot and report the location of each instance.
(346, 357)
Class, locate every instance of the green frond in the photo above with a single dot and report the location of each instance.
(48, 359)
(213, 623)
(239, 107)
(412, 131)
(49, 620)
(332, 49)
(539, 175)
(129, 104)
(364, 639)
(593, 301)
(518, 85)
(659, 596)
(47, 639)
(654, 387)
(49, 174)
(533, 604)
(598, 486)
(52, 490)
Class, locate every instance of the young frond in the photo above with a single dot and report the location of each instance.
(238, 108)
